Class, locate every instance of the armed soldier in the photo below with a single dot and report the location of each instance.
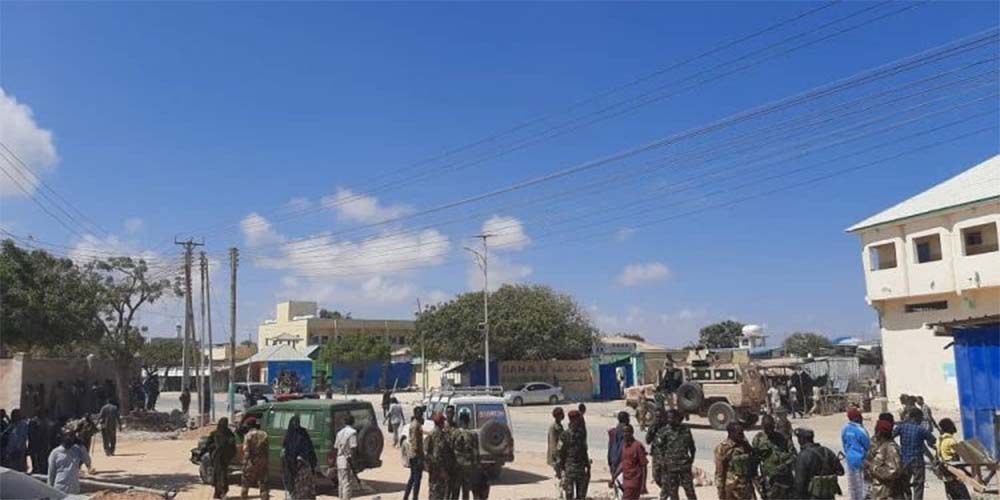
(572, 459)
(816, 469)
(734, 465)
(776, 456)
(440, 461)
(466, 445)
(673, 455)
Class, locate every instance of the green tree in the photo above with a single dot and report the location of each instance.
(162, 353)
(327, 314)
(526, 322)
(721, 335)
(124, 287)
(804, 343)
(356, 349)
(45, 302)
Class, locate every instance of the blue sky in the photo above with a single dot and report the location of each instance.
(233, 122)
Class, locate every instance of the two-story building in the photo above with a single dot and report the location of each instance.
(298, 324)
(929, 260)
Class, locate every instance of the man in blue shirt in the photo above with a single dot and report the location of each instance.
(912, 437)
(855, 440)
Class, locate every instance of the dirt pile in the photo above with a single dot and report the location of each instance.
(155, 421)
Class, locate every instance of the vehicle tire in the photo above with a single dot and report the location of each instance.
(495, 438)
(690, 397)
(370, 443)
(492, 471)
(650, 415)
(205, 469)
(553, 399)
(517, 401)
(721, 414)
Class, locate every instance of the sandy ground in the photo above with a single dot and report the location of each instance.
(164, 463)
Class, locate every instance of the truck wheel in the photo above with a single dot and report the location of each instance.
(205, 469)
(721, 414)
(495, 438)
(690, 397)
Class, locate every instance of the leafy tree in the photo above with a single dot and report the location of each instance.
(526, 322)
(326, 314)
(721, 335)
(45, 301)
(804, 343)
(124, 287)
(162, 354)
(356, 349)
(632, 336)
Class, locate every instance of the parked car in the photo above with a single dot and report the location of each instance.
(261, 392)
(489, 418)
(534, 393)
(322, 418)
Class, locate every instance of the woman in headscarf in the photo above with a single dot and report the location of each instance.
(224, 450)
(298, 458)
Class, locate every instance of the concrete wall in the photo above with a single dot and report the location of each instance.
(916, 361)
(16, 373)
(574, 376)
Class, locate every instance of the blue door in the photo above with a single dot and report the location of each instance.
(977, 367)
(608, 374)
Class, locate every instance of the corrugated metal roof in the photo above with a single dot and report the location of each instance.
(280, 352)
(981, 182)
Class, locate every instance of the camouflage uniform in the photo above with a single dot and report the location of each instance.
(455, 436)
(734, 470)
(672, 461)
(84, 430)
(574, 462)
(466, 446)
(440, 463)
(884, 470)
(776, 456)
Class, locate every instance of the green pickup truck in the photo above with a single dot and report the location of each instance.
(322, 418)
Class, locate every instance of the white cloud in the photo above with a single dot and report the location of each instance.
(382, 290)
(507, 233)
(437, 297)
(298, 204)
(636, 274)
(33, 145)
(354, 207)
(624, 233)
(257, 231)
(502, 272)
(134, 225)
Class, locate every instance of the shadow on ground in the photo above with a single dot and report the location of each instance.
(518, 476)
(176, 481)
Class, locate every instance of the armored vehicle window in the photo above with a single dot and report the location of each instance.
(490, 411)
(725, 374)
(281, 418)
(697, 374)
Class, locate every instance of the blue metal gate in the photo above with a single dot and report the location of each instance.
(977, 366)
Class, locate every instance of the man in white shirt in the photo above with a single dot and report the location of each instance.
(64, 465)
(346, 445)
(774, 397)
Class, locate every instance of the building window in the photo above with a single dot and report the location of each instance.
(980, 239)
(882, 256)
(928, 248)
(938, 305)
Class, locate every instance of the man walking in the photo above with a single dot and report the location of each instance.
(573, 460)
(734, 465)
(186, 400)
(816, 469)
(632, 467)
(440, 459)
(775, 454)
(415, 453)
(616, 440)
(109, 420)
(673, 455)
(855, 441)
(912, 439)
(254, 460)
(346, 445)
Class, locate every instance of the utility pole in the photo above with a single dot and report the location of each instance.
(483, 259)
(234, 262)
(208, 306)
(423, 357)
(188, 310)
(201, 348)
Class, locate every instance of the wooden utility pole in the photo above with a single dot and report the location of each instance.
(423, 357)
(234, 262)
(201, 349)
(188, 310)
(208, 307)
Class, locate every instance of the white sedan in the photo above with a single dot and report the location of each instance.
(534, 392)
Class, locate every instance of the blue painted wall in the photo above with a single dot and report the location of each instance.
(977, 365)
(303, 368)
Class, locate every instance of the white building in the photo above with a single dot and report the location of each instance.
(932, 258)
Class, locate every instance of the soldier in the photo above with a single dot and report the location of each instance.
(641, 412)
(254, 460)
(884, 465)
(776, 456)
(466, 445)
(454, 433)
(734, 465)
(555, 430)
(782, 424)
(440, 459)
(816, 469)
(572, 460)
(110, 421)
(673, 455)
